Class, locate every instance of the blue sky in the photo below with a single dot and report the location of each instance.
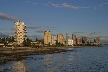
(83, 17)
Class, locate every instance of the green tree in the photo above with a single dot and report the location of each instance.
(36, 40)
(27, 42)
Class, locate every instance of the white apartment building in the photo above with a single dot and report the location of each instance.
(70, 42)
(19, 32)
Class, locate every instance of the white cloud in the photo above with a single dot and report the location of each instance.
(49, 2)
(56, 5)
(35, 3)
(99, 6)
(26, 1)
(65, 5)
(104, 3)
(46, 4)
(85, 7)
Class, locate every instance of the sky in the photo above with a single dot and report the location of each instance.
(82, 17)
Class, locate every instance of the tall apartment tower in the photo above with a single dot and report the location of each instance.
(60, 38)
(47, 38)
(74, 38)
(97, 40)
(67, 38)
(53, 39)
(19, 32)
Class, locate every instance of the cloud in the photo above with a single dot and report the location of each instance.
(35, 3)
(46, 4)
(2, 29)
(104, 39)
(65, 5)
(43, 27)
(78, 32)
(7, 17)
(33, 27)
(49, 2)
(56, 5)
(33, 37)
(100, 5)
(92, 35)
(49, 27)
(3, 35)
(41, 31)
(26, 1)
(85, 7)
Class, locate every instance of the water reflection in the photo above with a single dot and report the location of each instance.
(58, 62)
(80, 60)
(48, 61)
(18, 66)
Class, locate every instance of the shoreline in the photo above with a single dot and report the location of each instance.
(19, 53)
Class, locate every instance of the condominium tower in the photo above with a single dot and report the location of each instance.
(47, 38)
(60, 38)
(74, 38)
(19, 32)
(67, 38)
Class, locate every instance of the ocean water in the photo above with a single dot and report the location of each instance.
(91, 59)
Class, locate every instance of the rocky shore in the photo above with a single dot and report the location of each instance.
(15, 54)
(19, 53)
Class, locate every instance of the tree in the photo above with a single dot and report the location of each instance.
(36, 40)
(27, 42)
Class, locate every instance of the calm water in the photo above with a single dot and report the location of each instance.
(80, 60)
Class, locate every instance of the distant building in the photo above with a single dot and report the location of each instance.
(53, 39)
(47, 38)
(86, 40)
(79, 40)
(19, 32)
(60, 38)
(97, 40)
(70, 42)
(74, 39)
(67, 38)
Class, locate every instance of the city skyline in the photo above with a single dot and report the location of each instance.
(84, 18)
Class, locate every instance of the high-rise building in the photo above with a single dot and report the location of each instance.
(97, 40)
(67, 37)
(53, 39)
(70, 42)
(79, 40)
(60, 38)
(74, 39)
(47, 38)
(19, 32)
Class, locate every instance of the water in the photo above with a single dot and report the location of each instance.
(94, 59)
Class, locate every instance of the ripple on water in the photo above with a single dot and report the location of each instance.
(78, 60)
